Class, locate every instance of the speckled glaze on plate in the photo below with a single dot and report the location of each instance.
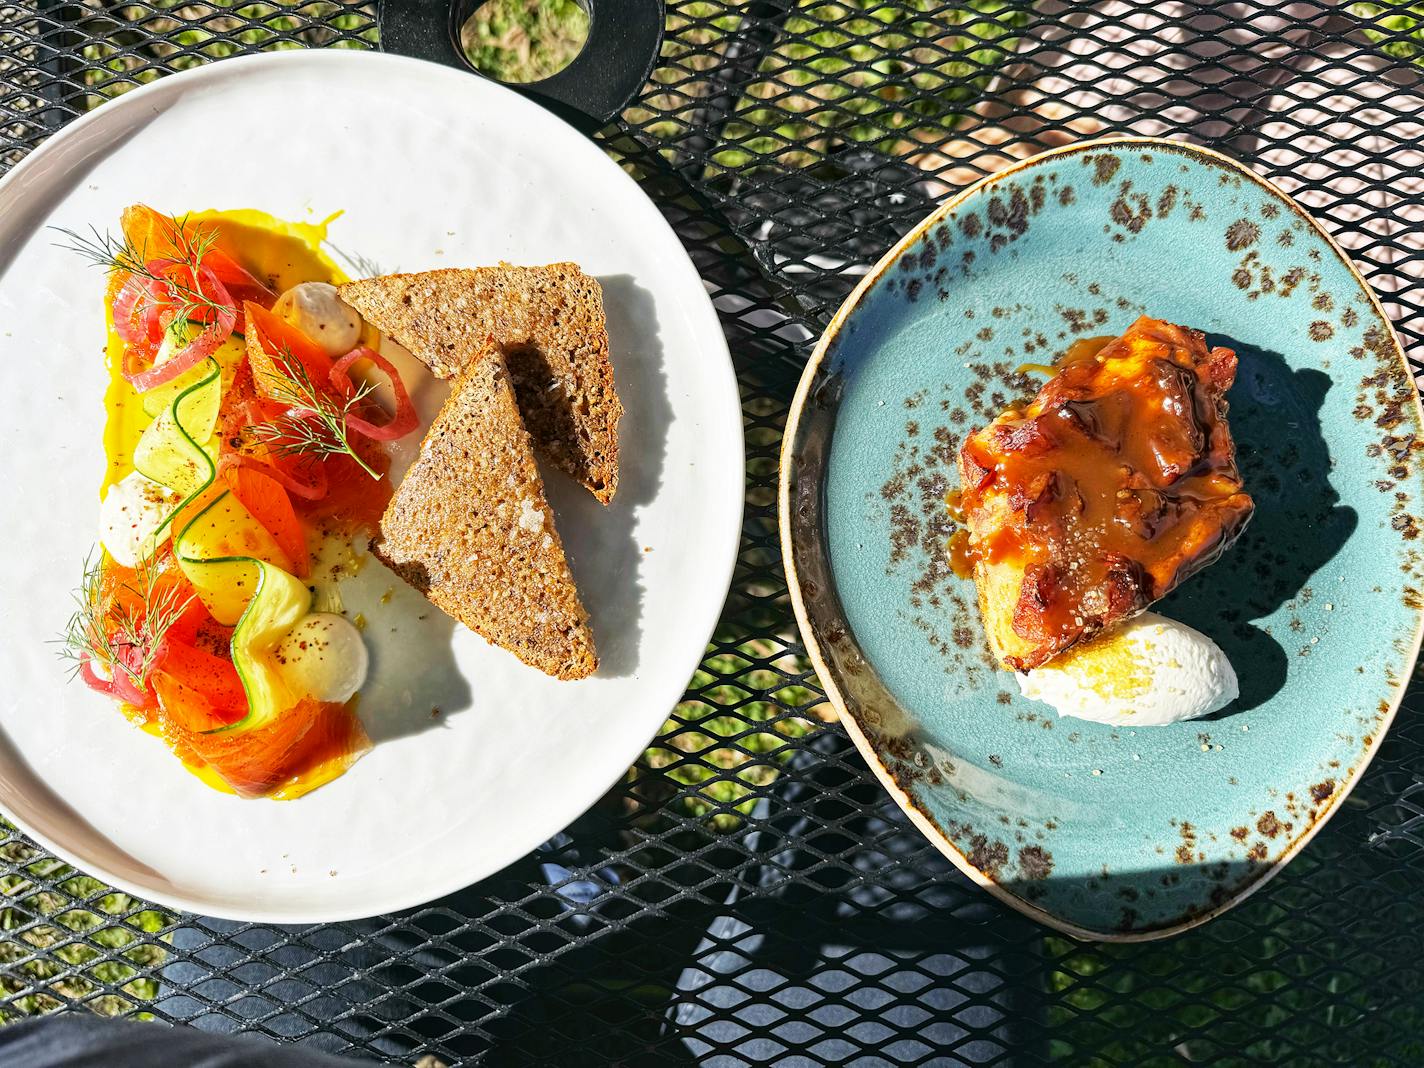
(1103, 832)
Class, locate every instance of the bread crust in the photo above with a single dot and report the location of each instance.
(469, 527)
(549, 325)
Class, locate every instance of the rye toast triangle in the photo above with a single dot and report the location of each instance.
(470, 529)
(550, 326)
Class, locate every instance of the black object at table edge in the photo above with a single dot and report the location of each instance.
(615, 63)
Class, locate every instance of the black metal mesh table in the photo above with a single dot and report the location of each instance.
(747, 894)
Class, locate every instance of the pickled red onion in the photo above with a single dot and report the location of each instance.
(202, 346)
(119, 686)
(136, 311)
(401, 423)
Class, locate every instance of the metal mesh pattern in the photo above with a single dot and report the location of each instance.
(748, 894)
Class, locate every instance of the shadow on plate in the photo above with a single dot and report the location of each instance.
(601, 542)
(1298, 527)
(414, 681)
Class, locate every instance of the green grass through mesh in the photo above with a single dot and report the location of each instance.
(55, 953)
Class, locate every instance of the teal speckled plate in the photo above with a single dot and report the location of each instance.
(1106, 832)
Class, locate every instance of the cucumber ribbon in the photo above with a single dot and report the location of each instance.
(239, 572)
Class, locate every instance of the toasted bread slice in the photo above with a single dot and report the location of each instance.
(549, 324)
(1114, 485)
(469, 527)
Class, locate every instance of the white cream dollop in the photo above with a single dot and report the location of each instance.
(317, 310)
(130, 515)
(323, 656)
(1149, 672)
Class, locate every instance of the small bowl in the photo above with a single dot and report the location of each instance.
(1113, 833)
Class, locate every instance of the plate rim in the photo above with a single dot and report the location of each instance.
(700, 308)
(822, 666)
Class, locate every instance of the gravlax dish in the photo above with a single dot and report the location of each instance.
(248, 422)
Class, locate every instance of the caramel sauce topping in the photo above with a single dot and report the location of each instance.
(961, 556)
(1116, 483)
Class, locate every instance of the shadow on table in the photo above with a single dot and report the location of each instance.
(861, 943)
(727, 949)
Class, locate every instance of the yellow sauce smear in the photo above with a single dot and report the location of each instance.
(281, 254)
(278, 252)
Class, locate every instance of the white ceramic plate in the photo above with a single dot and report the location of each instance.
(432, 168)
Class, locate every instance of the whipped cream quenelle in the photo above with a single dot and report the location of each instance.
(1149, 672)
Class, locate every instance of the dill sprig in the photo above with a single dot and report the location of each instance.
(315, 423)
(118, 255)
(107, 629)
